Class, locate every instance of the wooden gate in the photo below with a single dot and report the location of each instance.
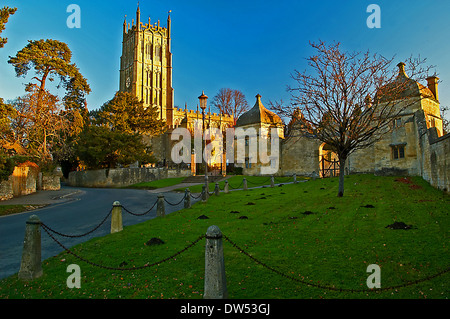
(329, 168)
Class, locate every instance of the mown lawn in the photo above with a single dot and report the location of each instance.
(303, 231)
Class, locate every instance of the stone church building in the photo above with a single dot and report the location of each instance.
(146, 72)
(416, 144)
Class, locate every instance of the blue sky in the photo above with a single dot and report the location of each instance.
(252, 46)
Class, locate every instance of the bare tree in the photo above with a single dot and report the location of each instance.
(230, 102)
(350, 99)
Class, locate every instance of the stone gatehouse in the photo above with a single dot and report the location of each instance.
(415, 144)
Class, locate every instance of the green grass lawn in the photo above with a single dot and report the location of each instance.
(303, 231)
(158, 184)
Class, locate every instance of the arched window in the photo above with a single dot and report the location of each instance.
(148, 51)
(158, 53)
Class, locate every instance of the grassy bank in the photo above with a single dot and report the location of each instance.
(303, 231)
(15, 209)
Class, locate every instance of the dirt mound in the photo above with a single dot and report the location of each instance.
(154, 241)
(399, 225)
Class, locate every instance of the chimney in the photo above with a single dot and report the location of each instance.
(433, 86)
(401, 69)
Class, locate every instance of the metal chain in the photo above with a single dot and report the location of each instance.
(330, 287)
(118, 268)
(277, 179)
(196, 197)
(176, 203)
(259, 183)
(77, 236)
(242, 182)
(142, 214)
(48, 230)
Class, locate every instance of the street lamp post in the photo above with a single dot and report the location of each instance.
(203, 101)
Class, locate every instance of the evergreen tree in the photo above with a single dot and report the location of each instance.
(5, 12)
(125, 113)
(99, 147)
(40, 110)
(50, 59)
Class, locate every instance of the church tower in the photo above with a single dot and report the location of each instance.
(146, 64)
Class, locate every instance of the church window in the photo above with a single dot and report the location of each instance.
(158, 53)
(398, 151)
(149, 51)
(432, 122)
(248, 164)
(397, 122)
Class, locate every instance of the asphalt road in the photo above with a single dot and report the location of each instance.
(76, 214)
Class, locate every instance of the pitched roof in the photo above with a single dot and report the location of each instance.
(258, 114)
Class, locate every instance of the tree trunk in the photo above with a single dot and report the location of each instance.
(41, 90)
(342, 161)
(45, 144)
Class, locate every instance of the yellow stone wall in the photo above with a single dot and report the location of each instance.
(300, 155)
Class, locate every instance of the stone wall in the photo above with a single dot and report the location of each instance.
(50, 182)
(121, 177)
(436, 159)
(26, 179)
(300, 155)
(440, 163)
(6, 189)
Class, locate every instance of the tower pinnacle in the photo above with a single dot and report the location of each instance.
(138, 17)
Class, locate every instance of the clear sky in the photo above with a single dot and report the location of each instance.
(252, 46)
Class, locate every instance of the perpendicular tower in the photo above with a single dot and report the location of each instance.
(146, 64)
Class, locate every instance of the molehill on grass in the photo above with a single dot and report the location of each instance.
(400, 225)
(154, 241)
